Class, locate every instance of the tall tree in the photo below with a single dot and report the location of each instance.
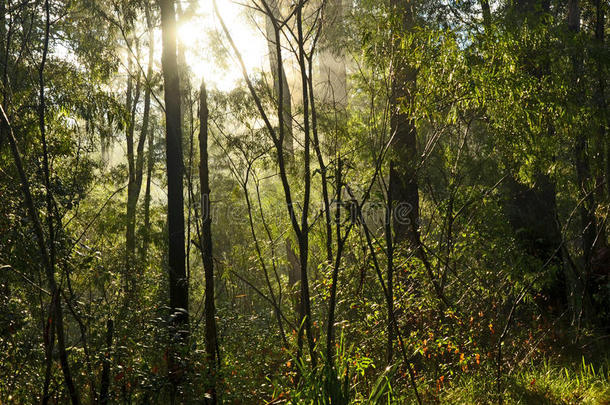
(403, 130)
(178, 282)
(135, 156)
(403, 193)
(600, 91)
(273, 21)
(4, 49)
(211, 339)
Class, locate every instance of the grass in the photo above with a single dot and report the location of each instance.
(541, 384)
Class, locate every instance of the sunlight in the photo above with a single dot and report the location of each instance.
(212, 61)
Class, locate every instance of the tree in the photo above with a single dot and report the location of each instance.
(211, 338)
(178, 282)
(273, 22)
(135, 156)
(403, 192)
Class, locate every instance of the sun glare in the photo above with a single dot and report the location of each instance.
(198, 33)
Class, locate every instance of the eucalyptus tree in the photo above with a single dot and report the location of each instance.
(178, 282)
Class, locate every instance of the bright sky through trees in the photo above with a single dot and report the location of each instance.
(206, 51)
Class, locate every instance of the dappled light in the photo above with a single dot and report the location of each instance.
(306, 202)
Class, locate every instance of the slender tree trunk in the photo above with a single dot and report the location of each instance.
(57, 319)
(132, 188)
(600, 93)
(486, 11)
(4, 46)
(211, 339)
(178, 283)
(105, 380)
(330, 334)
(305, 315)
(391, 324)
(136, 158)
(278, 73)
(151, 139)
(149, 172)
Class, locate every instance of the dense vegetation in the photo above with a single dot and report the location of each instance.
(407, 204)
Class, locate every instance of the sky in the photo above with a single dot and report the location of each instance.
(212, 59)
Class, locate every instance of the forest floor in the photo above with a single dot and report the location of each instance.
(544, 383)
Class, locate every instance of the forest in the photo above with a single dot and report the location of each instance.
(320, 202)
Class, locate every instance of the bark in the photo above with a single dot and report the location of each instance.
(601, 90)
(178, 283)
(149, 172)
(132, 191)
(211, 339)
(4, 46)
(391, 324)
(305, 315)
(278, 73)
(333, 287)
(486, 11)
(403, 193)
(403, 176)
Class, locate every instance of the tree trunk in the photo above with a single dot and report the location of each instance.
(583, 169)
(305, 314)
(136, 159)
(149, 172)
(486, 11)
(600, 96)
(278, 73)
(57, 318)
(403, 176)
(211, 339)
(403, 193)
(132, 190)
(105, 380)
(4, 46)
(178, 283)
(389, 241)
